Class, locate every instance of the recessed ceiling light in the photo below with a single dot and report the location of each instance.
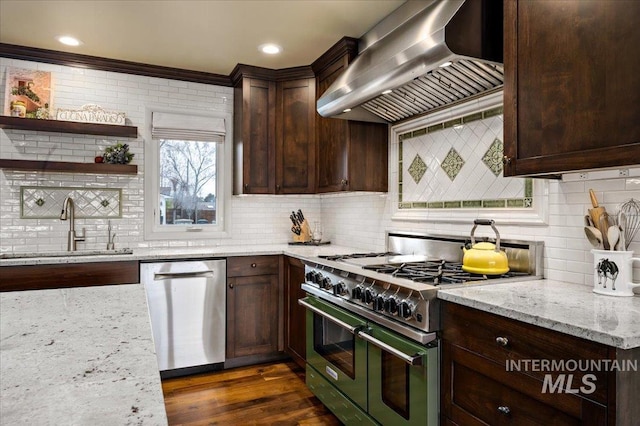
(69, 41)
(386, 92)
(270, 48)
(445, 64)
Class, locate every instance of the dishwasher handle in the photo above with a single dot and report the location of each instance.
(179, 275)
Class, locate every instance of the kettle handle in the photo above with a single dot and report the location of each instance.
(488, 222)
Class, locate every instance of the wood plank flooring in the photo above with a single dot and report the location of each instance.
(266, 394)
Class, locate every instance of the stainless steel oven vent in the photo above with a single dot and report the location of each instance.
(399, 70)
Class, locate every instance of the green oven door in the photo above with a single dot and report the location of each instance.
(334, 350)
(403, 379)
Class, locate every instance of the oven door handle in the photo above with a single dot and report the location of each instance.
(415, 360)
(352, 329)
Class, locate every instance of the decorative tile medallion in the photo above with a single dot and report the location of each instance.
(42, 202)
(452, 164)
(471, 139)
(417, 168)
(493, 157)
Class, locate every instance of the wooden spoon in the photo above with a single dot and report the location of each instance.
(594, 236)
(613, 234)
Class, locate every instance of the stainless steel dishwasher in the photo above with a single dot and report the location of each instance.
(187, 305)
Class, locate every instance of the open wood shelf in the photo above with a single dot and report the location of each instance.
(60, 126)
(68, 167)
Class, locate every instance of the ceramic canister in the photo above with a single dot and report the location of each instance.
(612, 272)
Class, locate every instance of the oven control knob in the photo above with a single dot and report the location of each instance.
(326, 283)
(309, 276)
(378, 303)
(317, 278)
(404, 310)
(369, 296)
(357, 292)
(339, 289)
(391, 305)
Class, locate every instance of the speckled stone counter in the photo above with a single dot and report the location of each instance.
(568, 308)
(160, 254)
(79, 356)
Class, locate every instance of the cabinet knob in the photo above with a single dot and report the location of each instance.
(504, 409)
(253, 265)
(246, 186)
(344, 182)
(502, 341)
(230, 285)
(506, 160)
(278, 188)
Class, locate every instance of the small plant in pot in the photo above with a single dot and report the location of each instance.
(118, 154)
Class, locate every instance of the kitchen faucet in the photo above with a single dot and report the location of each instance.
(69, 212)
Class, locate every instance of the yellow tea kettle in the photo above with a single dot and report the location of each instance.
(485, 258)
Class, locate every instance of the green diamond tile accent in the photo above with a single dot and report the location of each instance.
(419, 132)
(471, 203)
(493, 157)
(452, 164)
(516, 202)
(417, 168)
(44, 202)
(452, 204)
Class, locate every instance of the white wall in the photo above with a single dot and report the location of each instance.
(358, 220)
(253, 219)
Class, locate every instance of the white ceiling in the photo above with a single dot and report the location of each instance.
(201, 35)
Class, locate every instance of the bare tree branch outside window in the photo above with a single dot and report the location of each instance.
(188, 181)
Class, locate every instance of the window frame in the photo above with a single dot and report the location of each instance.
(153, 230)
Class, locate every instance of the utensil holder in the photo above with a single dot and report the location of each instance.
(613, 271)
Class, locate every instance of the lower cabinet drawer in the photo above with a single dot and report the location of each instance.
(477, 391)
(334, 400)
(504, 341)
(245, 266)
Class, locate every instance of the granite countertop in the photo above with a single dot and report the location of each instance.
(78, 356)
(568, 308)
(151, 254)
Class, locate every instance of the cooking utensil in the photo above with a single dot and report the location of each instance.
(596, 213)
(631, 210)
(604, 229)
(485, 258)
(594, 236)
(613, 235)
(622, 224)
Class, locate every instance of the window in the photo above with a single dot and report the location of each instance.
(184, 176)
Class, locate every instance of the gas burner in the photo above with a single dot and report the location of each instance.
(358, 255)
(434, 272)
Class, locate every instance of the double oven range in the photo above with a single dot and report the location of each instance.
(372, 324)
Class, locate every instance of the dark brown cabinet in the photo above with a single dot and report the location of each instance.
(488, 375)
(40, 277)
(294, 315)
(274, 131)
(352, 155)
(253, 307)
(572, 92)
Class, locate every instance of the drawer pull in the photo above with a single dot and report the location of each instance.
(502, 341)
(253, 265)
(504, 409)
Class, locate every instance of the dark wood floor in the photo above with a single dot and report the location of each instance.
(267, 394)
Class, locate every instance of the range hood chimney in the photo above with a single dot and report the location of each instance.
(403, 57)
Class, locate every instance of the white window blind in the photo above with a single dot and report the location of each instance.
(187, 127)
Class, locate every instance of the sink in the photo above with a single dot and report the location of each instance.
(66, 253)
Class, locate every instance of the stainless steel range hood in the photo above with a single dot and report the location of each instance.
(404, 53)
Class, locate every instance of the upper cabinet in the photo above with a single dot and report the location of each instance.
(572, 92)
(274, 131)
(352, 156)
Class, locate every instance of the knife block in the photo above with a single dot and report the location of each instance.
(305, 234)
